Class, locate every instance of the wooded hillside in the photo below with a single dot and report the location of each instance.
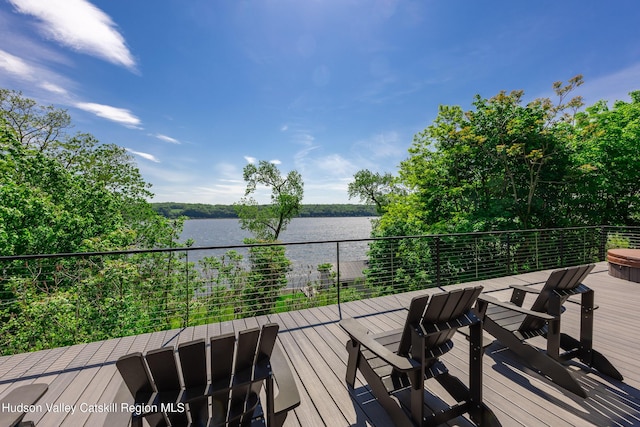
(199, 210)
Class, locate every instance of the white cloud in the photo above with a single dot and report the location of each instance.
(18, 69)
(275, 162)
(147, 156)
(611, 87)
(166, 138)
(81, 26)
(14, 65)
(383, 145)
(284, 128)
(250, 159)
(335, 165)
(119, 115)
(54, 88)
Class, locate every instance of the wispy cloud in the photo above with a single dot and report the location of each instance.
(21, 70)
(80, 26)
(53, 88)
(250, 159)
(611, 87)
(386, 145)
(115, 114)
(166, 138)
(335, 165)
(275, 162)
(147, 156)
(14, 65)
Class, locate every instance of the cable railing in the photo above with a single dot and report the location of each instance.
(55, 300)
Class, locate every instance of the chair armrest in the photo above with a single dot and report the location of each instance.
(26, 395)
(288, 396)
(360, 334)
(511, 306)
(524, 288)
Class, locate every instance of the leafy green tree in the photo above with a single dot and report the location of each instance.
(606, 144)
(373, 188)
(61, 194)
(267, 222)
(37, 127)
(269, 264)
(46, 209)
(501, 165)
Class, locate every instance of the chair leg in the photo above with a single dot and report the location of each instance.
(353, 349)
(390, 404)
(597, 360)
(537, 359)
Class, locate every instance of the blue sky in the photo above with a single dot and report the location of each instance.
(196, 89)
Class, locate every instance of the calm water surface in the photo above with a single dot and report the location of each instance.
(305, 258)
(224, 232)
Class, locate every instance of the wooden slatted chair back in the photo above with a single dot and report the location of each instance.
(228, 396)
(442, 308)
(446, 307)
(565, 280)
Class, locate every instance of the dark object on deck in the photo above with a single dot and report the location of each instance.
(512, 325)
(624, 264)
(23, 395)
(231, 396)
(396, 364)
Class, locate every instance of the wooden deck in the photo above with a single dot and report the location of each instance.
(314, 343)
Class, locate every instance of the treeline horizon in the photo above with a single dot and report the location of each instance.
(173, 210)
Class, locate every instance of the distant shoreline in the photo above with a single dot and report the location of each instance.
(204, 211)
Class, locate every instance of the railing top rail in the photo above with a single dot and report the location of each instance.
(243, 246)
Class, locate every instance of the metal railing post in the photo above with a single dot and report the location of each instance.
(338, 278)
(186, 272)
(508, 253)
(562, 257)
(438, 272)
(603, 244)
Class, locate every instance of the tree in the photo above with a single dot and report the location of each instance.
(269, 264)
(267, 222)
(373, 188)
(44, 208)
(501, 165)
(103, 168)
(606, 145)
(36, 126)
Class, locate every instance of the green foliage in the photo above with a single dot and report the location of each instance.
(504, 165)
(607, 155)
(44, 208)
(268, 276)
(198, 210)
(63, 194)
(267, 222)
(373, 188)
(36, 127)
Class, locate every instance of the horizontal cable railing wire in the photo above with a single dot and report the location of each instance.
(62, 299)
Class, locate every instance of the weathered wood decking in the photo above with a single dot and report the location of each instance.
(84, 375)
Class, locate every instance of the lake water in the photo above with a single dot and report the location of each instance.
(225, 232)
(305, 258)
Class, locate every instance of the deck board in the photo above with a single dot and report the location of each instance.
(314, 344)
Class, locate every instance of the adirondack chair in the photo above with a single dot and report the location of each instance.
(512, 325)
(230, 395)
(396, 364)
(26, 395)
